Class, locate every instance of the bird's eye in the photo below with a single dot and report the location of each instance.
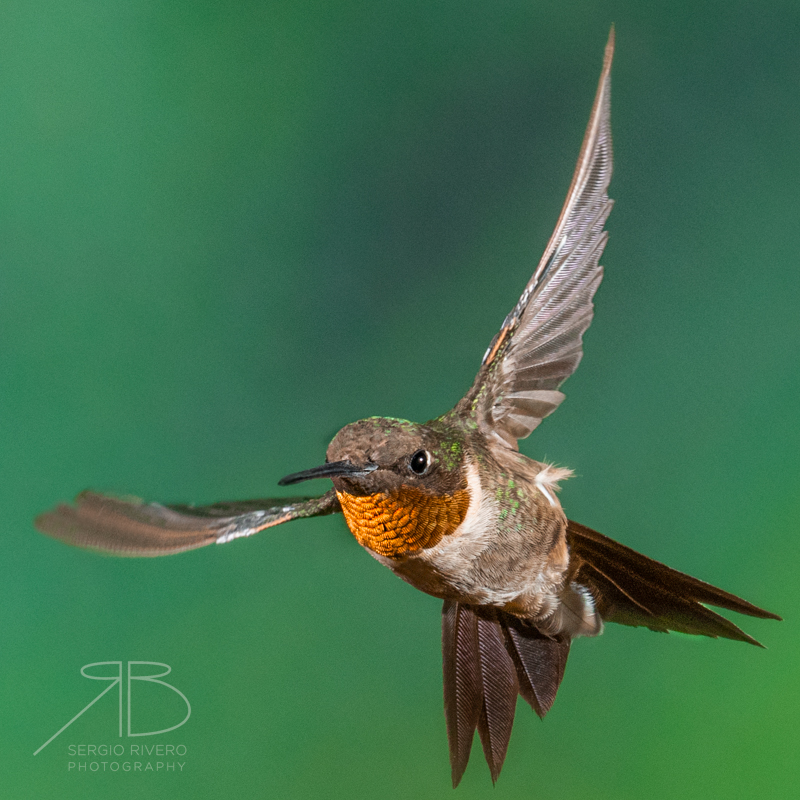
(420, 462)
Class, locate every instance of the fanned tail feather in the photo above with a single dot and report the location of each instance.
(488, 658)
(539, 660)
(462, 690)
(500, 687)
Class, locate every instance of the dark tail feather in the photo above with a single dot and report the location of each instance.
(539, 660)
(462, 687)
(631, 589)
(500, 687)
(488, 658)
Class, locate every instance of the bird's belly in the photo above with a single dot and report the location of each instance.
(514, 576)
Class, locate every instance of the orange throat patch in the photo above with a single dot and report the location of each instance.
(397, 523)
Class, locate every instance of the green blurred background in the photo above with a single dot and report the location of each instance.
(228, 229)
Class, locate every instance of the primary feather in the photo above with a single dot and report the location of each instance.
(540, 343)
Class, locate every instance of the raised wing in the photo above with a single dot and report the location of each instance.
(131, 527)
(540, 343)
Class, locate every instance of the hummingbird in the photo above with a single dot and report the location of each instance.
(453, 508)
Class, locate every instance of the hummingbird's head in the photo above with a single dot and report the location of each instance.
(402, 485)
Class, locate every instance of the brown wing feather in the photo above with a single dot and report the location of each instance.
(631, 589)
(131, 527)
(540, 342)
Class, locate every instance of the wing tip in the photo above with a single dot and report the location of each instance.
(608, 54)
(49, 522)
(735, 633)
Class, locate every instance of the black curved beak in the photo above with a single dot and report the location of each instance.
(328, 471)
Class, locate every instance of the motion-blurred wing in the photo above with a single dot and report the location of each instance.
(540, 343)
(134, 528)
